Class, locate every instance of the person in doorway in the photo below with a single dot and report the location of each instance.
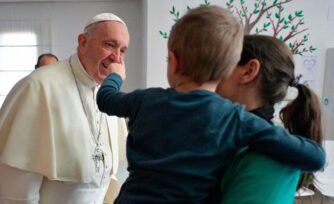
(181, 137)
(259, 81)
(55, 145)
(45, 59)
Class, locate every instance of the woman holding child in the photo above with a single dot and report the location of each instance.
(261, 79)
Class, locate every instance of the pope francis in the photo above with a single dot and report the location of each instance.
(56, 147)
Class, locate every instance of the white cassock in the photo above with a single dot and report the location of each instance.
(50, 151)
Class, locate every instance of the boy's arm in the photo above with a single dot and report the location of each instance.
(297, 151)
(113, 102)
(277, 143)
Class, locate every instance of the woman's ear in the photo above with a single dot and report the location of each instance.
(173, 62)
(250, 71)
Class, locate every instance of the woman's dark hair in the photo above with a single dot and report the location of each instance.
(302, 115)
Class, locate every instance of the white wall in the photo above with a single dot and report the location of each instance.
(317, 18)
(73, 17)
(320, 20)
(67, 19)
(328, 95)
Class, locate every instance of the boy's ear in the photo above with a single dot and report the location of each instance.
(250, 71)
(173, 61)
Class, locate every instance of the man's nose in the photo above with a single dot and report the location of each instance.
(116, 56)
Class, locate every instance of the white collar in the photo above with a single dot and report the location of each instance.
(80, 72)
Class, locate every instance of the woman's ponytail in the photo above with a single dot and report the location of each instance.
(302, 116)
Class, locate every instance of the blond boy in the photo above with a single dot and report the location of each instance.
(181, 138)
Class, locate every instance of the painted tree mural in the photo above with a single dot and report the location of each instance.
(288, 27)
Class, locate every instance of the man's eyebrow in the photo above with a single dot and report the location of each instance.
(110, 40)
(114, 41)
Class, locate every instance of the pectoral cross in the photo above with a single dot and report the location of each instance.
(97, 157)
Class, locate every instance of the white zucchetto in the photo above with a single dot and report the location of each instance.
(104, 17)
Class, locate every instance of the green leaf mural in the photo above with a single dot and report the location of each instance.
(286, 27)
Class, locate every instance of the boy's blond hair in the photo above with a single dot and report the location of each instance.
(207, 41)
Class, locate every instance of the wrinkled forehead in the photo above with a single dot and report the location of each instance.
(110, 30)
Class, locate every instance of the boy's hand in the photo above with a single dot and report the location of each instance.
(118, 68)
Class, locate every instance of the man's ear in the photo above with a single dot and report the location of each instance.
(82, 41)
(174, 62)
(250, 71)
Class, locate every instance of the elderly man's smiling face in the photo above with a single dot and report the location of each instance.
(103, 43)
